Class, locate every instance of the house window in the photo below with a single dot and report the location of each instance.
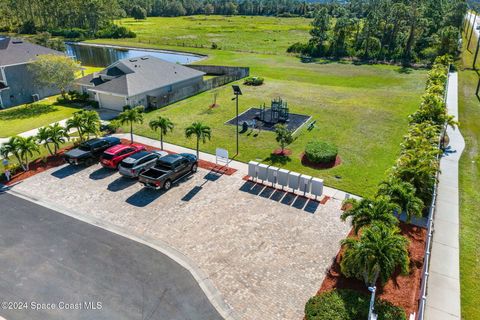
(169, 88)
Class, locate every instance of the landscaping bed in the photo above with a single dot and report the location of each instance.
(37, 166)
(402, 291)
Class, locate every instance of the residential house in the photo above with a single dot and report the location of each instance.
(138, 81)
(17, 85)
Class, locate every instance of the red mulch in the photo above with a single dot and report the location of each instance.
(284, 153)
(308, 163)
(38, 166)
(201, 163)
(402, 291)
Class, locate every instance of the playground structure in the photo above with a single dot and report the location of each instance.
(264, 118)
(278, 112)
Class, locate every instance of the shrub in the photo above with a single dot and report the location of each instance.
(348, 304)
(253, 81)
(115, 32)
(320, 152)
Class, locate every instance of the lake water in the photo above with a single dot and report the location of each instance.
(102, 56)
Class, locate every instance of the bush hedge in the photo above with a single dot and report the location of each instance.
(321, 152)
(253, 81)
(347, 304)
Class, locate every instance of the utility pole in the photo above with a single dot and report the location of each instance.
(471, 32)
(475, 57)
(237, 92)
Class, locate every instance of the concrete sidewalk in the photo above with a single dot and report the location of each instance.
(443, 288)
(242, 168)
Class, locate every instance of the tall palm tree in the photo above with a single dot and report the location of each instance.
(403, 194)
(162, 124)
(10, 148)
(366, 212)
(27, 147)
(58, 136)
(43, 137)
(378, 252)
(200, 131)
(131, 116)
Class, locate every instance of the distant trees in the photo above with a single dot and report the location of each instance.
(54, 71)
(139, 13)
(411, 31)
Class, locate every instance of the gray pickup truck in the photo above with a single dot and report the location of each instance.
(169, 169)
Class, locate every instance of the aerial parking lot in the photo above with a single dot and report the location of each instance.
(266, 252)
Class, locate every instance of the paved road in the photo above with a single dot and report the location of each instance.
(47, 257)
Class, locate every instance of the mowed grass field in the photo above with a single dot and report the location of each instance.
(469, 113)
(233, 33)
(363, 109)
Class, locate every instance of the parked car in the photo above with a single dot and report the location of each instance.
(139, 162)
(112, 157)
(168, 169)
(90, 151)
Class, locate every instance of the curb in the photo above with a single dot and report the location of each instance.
(203, 280)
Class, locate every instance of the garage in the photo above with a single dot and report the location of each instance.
(110, 101)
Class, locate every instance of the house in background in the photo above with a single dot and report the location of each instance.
(16, 81)
(138, 81)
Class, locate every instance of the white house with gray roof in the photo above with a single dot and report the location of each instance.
(16, 81)
(136, 81)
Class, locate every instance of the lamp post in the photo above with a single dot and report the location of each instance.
(237, 92)
(371, 315)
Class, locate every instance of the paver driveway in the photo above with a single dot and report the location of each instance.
(266, 255)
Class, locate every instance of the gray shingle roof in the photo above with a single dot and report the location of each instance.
(17, 51)
(143, 74)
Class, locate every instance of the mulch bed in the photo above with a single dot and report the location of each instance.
(37, 167)
(201, 163)
(402, 291)
(308, 163)
(284, 153)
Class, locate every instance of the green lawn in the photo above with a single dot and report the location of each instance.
(232, 33)
(361, 108)
(30, 116)
(469, 114)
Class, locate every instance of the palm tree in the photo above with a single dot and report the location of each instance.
(77, 122)
(200, 131)
(26, 148)
(131, 116)
(91, 123)
(378, 252)
(58, 136)
(403, 194)
(43, 137)
(366, 212)
(86, 122)
(162, 124)
(11, 148)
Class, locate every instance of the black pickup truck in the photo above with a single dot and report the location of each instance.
(168, 169)
(90, 151)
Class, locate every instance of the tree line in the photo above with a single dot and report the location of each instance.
(392, 30)
(30, 16)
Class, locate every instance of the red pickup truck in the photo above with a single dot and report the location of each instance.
(114, 155)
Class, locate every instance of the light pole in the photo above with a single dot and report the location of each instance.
(371, 315)
(237, 92)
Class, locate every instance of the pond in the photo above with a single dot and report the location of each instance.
(102, 56)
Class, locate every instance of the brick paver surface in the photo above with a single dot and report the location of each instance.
(264, 256)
